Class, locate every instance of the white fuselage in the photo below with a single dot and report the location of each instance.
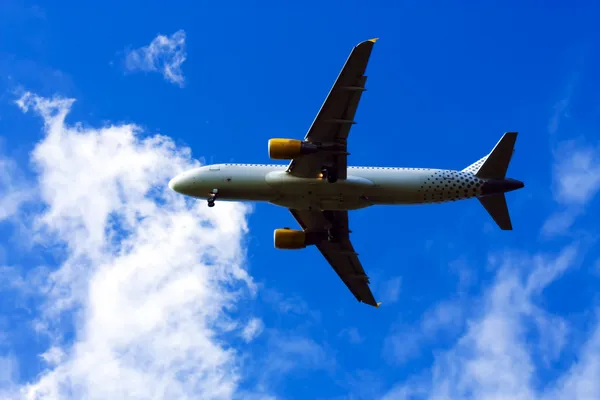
(364, 186)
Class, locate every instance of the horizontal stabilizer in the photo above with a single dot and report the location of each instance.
(496, 206)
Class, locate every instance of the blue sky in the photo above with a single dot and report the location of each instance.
(115, 287)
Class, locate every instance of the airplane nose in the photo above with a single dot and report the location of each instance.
(177, 184)
(188, 183)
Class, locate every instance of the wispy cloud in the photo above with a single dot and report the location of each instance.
(404, 343)
(352, 335)
(577, 173)
(291, 304)
(560, 222)
(390, 290)
(14, 191)
(20, 11)
(9, 376)
(496, 358)
(576, 176)
(576, 166)
(254, 328)
(164, 54)
(146, 276)
(562, 107)
(289, 353)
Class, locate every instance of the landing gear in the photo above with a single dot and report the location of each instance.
(331, 238)
(332, 234)
(212, 197)
(330, 173)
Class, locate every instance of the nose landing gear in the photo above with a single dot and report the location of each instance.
(212, 197)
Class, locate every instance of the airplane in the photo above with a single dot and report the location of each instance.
(319, 188)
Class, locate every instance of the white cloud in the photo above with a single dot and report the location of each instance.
(291, 353)
(563, 106)
(560, 111)
(8, 370)
(352, 335)
(13, 189)
(441, 316)
(576, 176)
(560, 221)
(252, 329)
(576, 170)
(9, 376)
(496, 357)
(164, 54)
(391, 290)
(282, 355)
(577, 173)
(407, 342)
(53, 356)
(582, 380)
(286, 304)
(146, 276)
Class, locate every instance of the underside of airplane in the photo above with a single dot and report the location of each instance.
(319, 188)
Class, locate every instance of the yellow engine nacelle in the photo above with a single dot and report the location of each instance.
(289, 239)
(284, 149)
(287, 149)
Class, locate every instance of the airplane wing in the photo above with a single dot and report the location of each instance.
(332, 124)
(340, 254)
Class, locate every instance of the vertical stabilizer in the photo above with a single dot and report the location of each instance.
(495, 164)
(492, 169)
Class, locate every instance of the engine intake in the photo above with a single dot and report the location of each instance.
(287, 149)
(289, 239)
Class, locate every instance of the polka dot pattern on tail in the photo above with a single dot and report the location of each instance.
(447, 185)
(473, 168)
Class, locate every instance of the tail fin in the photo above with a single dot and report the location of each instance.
(495, 164)
(493, 168)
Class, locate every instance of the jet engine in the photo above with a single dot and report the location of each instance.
(289, 239)
(287, 149)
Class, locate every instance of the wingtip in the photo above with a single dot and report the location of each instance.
(373, 40)
(378, 304)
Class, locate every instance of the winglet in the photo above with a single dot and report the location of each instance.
(378, 304)
(373, 40)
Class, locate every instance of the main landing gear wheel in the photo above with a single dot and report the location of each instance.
(330, 174)
(331, 237)
(212, 197)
